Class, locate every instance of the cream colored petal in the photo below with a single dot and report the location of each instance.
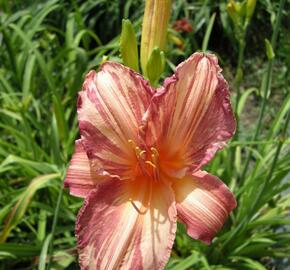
(127, 225)
(78, 176)
(203, 204)
(110, 111)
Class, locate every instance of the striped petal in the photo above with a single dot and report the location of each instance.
(110, 111)
(203, 204)
(122, 227)
(191, 116)
(79, 178)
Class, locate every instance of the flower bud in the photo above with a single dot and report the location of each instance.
(128, 46)
(154, 29)
(155, 66)
(251, 4)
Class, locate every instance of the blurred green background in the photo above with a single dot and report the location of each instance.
(46, 48)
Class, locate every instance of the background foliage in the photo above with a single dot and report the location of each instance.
(46, 47)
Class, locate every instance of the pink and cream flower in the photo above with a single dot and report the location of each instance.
(138, 162)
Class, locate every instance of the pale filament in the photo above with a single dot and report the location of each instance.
(142, 212)
(139, 210)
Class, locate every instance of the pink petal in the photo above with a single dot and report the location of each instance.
(78, 176)
(110, 111)
(203, 204)
(112, 234)
(191, 116)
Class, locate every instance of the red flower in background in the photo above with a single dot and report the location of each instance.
(182, 25)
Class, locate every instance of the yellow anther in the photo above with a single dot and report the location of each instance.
(137, 151)
(150, 163)
(143, 152)
(133, 144)
(154, 151)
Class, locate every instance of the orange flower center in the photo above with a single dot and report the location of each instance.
(151, 162)
(147, 162)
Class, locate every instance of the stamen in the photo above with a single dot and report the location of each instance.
(141, 155)
(143, 152)
(148, 201)
(138, 210)
(150, 163)
(154, 159)
(138, 152)
(155, 151)
(133, 144)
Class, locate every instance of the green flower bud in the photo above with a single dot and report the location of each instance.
(154, 29)
(155, 66)
(251, 4)
(269, 50)
(128, 45)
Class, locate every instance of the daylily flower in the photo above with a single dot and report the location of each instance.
(138, 162)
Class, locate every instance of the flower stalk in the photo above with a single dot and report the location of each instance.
(241, 14)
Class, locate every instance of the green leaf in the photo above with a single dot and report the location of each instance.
(187, 262)
(19, 250)
(35, 23)
(208, 32)
(60, 117)
(27, 77)
(252, 264)
(43, 254)
(238, 159)
(22, 204)
(42, 63)
(244, 98)
(40, 167)
(277, 122)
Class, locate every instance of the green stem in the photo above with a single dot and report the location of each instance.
(267, 86)
(269, 177)
(54, 223)
(238, 79)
